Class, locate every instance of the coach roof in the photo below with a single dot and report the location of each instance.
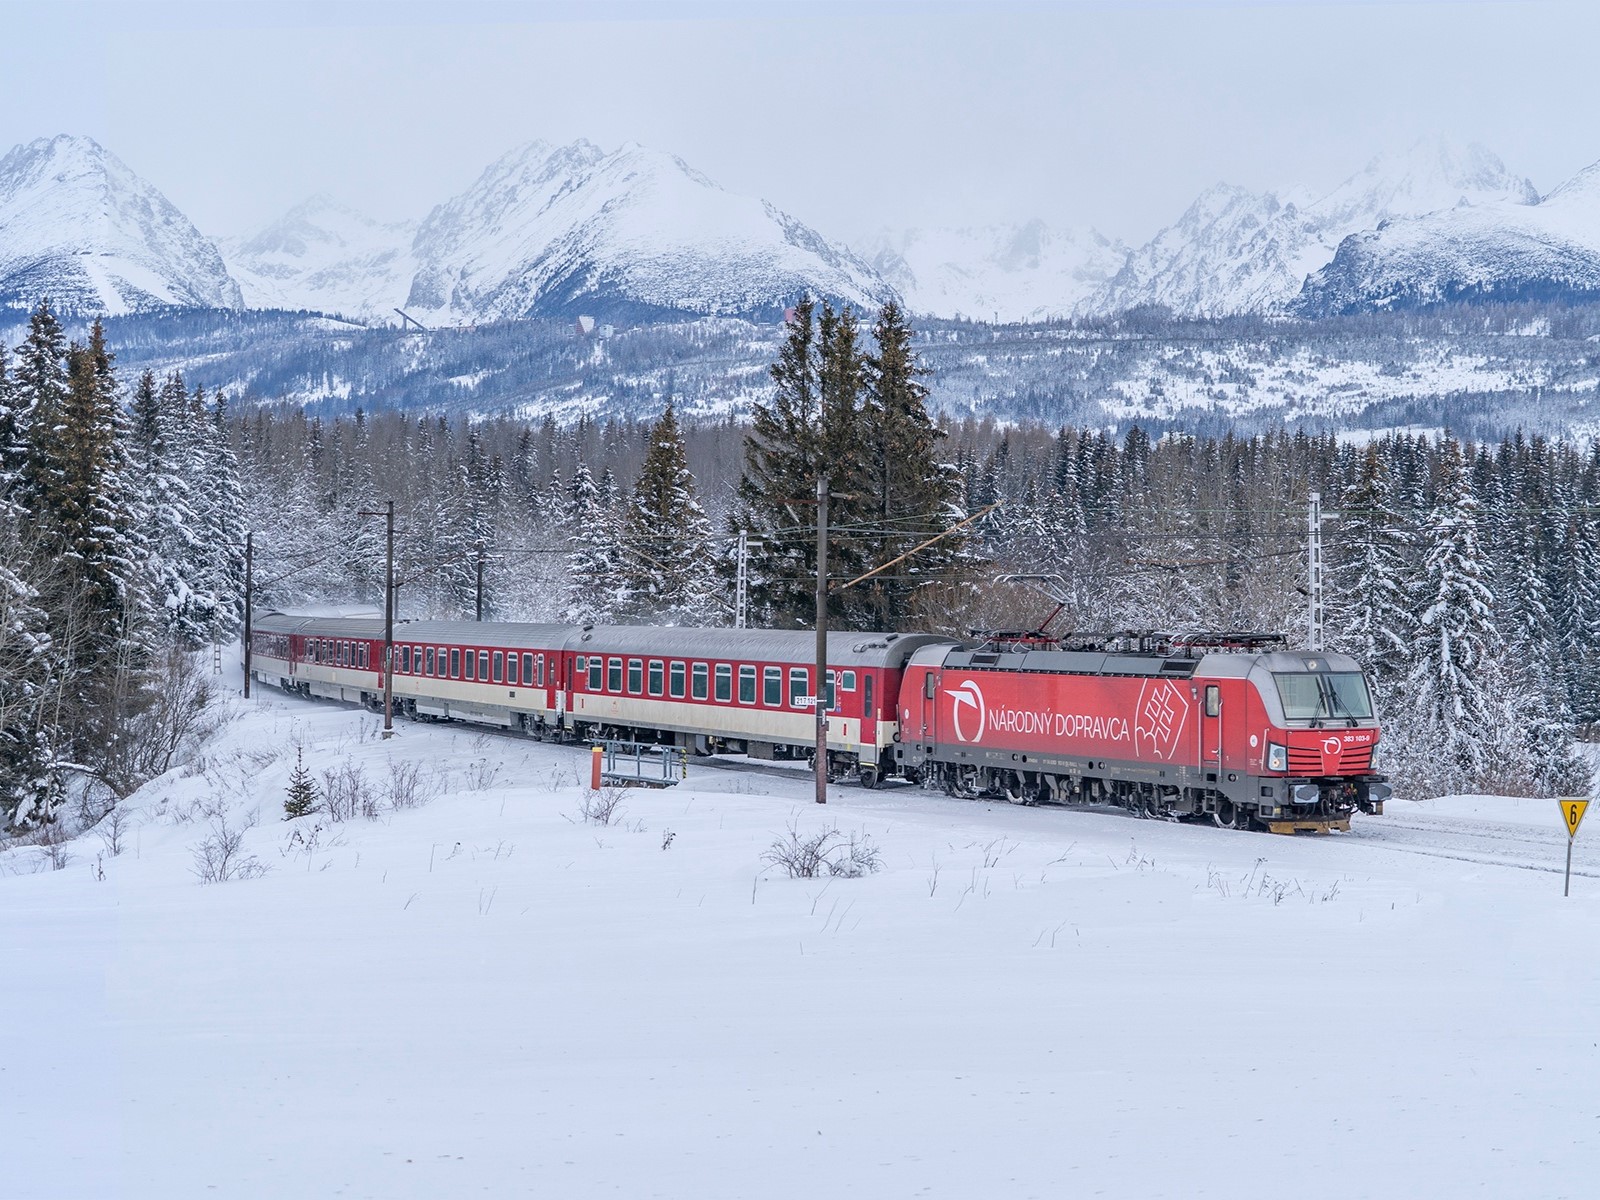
(798, 646)
(750, 645)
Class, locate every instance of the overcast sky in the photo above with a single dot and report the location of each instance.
(850, 116)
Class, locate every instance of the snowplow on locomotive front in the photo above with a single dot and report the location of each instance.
(1230, 727)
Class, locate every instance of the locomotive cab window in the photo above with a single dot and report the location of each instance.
(655, 676)
(1213, 700)
(799, 679)
(1315, 696)
(675, 681)
(698, 681)
(724, 682)
(499, 667)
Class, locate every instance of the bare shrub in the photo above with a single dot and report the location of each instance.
(860, 857)
(347, 794)
(481, 774)
(95, 800)
(221, 856)
(801, 857)
(176, 710)
(828, 851)
(53, 839)
(408, 786)
(601, 808)
(112, 829)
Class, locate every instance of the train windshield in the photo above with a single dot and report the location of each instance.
(1331, 696)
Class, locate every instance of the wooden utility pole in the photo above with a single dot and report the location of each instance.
(480, 578)
(388, 613)
(818, 698)
(249, 581)
(388, 623)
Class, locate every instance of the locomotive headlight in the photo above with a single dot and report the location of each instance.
(1277, 757)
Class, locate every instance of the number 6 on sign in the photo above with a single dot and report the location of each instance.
(1571, 816)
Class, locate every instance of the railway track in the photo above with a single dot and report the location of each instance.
(1484, 843)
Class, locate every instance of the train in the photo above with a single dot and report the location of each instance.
(1234, 728)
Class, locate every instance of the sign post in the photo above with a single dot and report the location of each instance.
(1571, 816)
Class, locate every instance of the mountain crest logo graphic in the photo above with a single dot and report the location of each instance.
(968, 695)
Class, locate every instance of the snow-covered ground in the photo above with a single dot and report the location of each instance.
(486, 996)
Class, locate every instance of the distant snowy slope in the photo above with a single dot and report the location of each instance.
(77, 226)
(1237, 251)
(554, 231)
(1026, 272)
(326, 257)
(1510, 251)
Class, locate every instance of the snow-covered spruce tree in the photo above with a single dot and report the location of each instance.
(915, 494)
(222, 539)
(166, 511)
(667, 551)
(29, 784)
(596, 588)
(481, 487)
(782, 448)
(301, 799)
(1577, 616)
(39, 396)
(1448, 720)
(1369, 609)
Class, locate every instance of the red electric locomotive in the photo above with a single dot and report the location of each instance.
(1221, 725)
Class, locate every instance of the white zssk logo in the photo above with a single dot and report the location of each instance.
(967, 696)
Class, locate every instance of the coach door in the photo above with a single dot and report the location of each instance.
(1210, 729)
(926, 733)
(869, 713)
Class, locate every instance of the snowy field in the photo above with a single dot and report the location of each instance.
(484, 995)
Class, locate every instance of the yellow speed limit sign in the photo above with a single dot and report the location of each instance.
(1571, 816)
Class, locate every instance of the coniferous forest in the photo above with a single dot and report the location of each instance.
(1464, 576)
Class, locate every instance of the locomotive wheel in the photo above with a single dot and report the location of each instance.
(869, 777)
(1227, 815)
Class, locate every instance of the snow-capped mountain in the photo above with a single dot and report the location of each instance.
(1024, 272)
(325, 256)
(555, 231)
(1507, 251)
(1238, 251)
(78, 227)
